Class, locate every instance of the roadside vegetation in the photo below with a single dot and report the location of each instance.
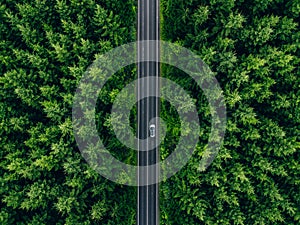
(251, 46)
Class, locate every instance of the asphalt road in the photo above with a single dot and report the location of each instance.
(148, 108)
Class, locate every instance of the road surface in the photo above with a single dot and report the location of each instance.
(148, 108)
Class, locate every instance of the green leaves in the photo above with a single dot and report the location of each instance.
(201, 15)
(45, 48)
(252, 48)
(99, 210)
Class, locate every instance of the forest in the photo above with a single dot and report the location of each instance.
(252, 47)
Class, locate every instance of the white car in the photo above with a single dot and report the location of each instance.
(152, 130)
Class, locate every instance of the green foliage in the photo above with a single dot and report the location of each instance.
(253, 47)
(45, 47)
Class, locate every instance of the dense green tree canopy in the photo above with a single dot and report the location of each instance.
(251, 46)
(45, 48)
